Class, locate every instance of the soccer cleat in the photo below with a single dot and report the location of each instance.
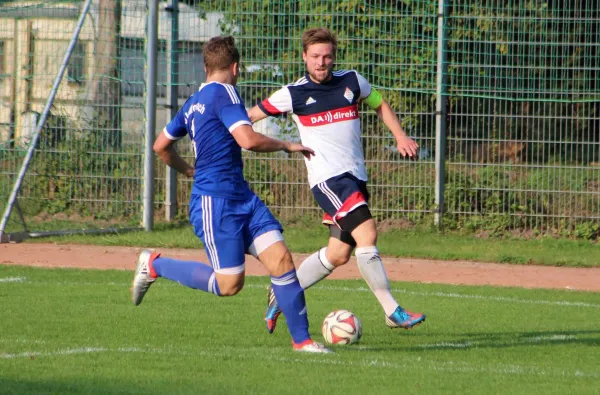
(404, 319)
(311, 346)
(142, 279)
(273, 311)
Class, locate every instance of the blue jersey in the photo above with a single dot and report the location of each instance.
(208, 117)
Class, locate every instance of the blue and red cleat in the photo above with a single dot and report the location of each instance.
(273, 311)
(404, 319)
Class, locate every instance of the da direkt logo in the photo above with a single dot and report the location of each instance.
(330, 117)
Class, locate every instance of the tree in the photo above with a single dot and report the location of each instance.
(105, 94)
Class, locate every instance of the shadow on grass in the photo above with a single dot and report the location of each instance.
(65, 386)
(91, 386)
(468, 341)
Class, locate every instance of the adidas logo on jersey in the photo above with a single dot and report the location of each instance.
(349, 95)
(310, 101)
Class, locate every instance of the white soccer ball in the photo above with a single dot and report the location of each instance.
(341, 327)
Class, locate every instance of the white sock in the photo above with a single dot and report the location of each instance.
(371, 268)
(314, 268)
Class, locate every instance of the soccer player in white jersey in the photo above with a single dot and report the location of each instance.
(324, 106)
(227, 216)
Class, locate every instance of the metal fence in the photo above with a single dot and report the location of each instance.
(503, 98)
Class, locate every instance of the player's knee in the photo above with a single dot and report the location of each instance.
(337, 258)
(231, 289)
(230, 286)
(280, 265)
(286, 262)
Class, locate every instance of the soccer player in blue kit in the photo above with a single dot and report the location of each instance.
(226, 215)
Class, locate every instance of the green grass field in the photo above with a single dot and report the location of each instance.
(75, 331)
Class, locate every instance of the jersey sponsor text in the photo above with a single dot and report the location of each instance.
(327, 117)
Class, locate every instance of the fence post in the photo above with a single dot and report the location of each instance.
(441, 113)
(151, 60)
(12, 200)
(172, 105)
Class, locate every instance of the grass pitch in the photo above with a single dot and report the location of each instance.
(75, 331)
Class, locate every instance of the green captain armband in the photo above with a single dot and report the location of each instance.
(374, 100)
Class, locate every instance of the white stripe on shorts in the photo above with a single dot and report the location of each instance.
(337, 203)
(208, 231)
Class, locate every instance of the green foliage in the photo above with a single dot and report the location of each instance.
(79, 176)
(496, 200)
(519, 69)
(587, 230)
(523, 71)
(524, 50)
(261, 175)
(391, 53)
(502, 200)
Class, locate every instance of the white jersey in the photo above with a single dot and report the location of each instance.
(327, 118)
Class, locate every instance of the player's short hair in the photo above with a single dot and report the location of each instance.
(220, 53)
(318, 35)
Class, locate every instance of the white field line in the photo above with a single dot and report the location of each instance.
(68, 351)
(461, 296)
(21, 341)
(330, 359)
(475, 344)
(13, 279)
(357, 289)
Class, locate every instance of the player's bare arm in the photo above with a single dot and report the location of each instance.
(250, 140)
(165, 149)
(406, 145)
(256, 114)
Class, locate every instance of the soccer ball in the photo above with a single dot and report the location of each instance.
(341, 327)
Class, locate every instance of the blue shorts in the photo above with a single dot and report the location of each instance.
(228, 228)
(339, 196)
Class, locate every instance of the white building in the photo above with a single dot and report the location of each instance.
(34, 37)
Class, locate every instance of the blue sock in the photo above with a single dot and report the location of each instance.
(194, 275)
(290, 298)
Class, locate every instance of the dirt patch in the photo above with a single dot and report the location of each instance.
(398, 269)
(391, 224)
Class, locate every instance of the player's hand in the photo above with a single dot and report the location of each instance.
(407, 146)
(295, 147)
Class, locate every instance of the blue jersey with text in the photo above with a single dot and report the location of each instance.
(208, 117)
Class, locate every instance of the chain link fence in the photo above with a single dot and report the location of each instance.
(519, 121)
